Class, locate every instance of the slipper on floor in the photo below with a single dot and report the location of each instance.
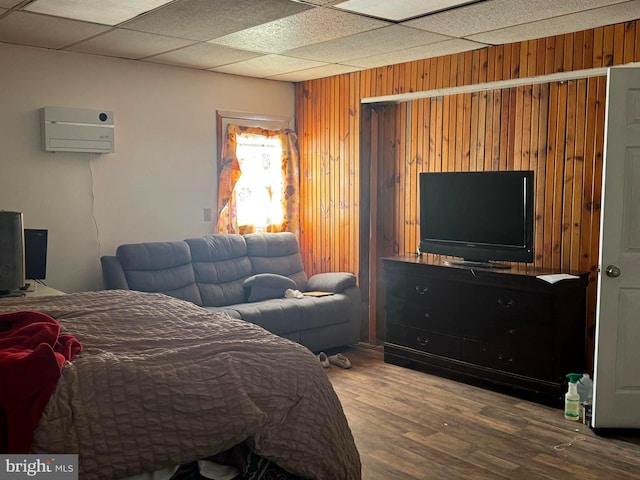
(339, 360)
(324, 361)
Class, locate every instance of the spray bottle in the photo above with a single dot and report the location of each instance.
(571, 398)
(585, 390)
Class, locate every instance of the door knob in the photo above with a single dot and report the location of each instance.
(612, 271)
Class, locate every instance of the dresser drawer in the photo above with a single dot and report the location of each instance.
(509, 317)
(536, 308)
(419, 289)
(430, 314)
(508, 359)
(424, 340)
(510, 331)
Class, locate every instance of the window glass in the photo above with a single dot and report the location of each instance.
(259, 190)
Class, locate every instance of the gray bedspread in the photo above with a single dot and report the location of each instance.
(162, 382)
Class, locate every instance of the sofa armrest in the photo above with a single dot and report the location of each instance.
(113, 277)
(335, 282)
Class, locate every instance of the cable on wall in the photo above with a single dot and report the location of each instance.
(93, 205)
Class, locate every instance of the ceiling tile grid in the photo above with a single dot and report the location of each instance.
(294, 40)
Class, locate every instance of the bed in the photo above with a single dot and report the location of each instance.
(161, 382)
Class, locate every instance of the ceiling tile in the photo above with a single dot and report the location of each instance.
(128, 44)
(565, 24)
(495, 14)
(201, 55)
(318, 72)
(417, 53)
(42, 31)
(311, 26)
(106, 12)
(9, 3)
(208, 19)
(366, 44)
(267, 65)
(398, 9)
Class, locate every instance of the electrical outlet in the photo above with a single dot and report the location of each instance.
(207, 214)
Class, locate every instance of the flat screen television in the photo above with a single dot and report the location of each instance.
(35, 253)
(483, 217)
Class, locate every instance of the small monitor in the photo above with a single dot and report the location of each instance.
(35, 254)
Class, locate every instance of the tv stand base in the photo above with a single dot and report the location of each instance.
(478, 264)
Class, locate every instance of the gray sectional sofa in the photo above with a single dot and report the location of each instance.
(245, 276)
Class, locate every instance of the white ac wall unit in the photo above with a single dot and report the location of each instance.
(77, 130)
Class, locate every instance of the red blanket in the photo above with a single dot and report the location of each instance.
(32, 353)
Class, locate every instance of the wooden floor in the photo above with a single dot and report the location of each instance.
(412, 425)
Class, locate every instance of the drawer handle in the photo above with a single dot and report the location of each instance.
(421, 341)
(505, 303)
(421, 290)
(512, 331)
(506, 361)
(427, 316)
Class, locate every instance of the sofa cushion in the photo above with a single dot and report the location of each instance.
(276, 253)
(331, 281)
(221, 265)
(285, 315)
(266, 285)
(279, 315)
(161, 267)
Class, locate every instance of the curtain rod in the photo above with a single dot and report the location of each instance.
(481, 87)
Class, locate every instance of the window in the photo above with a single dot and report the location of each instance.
(259, 190)
(258, 181)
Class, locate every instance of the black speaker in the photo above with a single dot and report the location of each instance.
(35, 253)
(11, 251)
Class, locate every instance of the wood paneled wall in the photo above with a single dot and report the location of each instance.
(556, 129)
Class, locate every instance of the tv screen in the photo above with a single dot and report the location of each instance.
(479, 216)
(35, 253)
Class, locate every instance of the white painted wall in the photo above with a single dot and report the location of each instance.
(162, 174)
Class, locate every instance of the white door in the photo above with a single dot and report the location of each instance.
(616, 402)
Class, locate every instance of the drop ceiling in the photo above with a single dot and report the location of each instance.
(294, 40)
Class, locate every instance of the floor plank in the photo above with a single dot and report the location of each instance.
(409, 425)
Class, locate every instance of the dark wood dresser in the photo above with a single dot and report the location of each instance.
(500, 328)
